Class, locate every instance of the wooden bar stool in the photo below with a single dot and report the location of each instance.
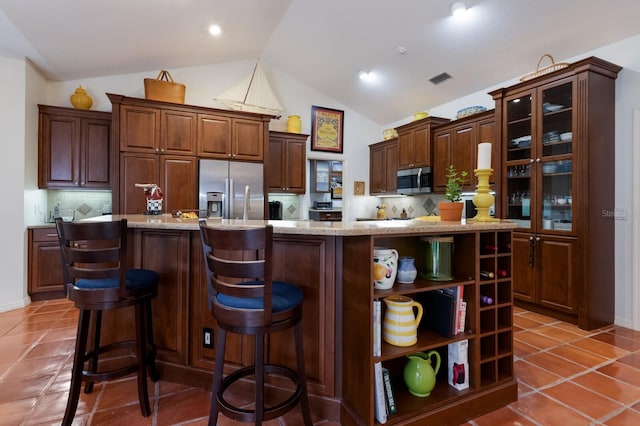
(94, 261)
(244, 299)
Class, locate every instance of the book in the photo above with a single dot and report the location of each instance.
(377, 327)
(379, 398)
(440, 311)
(388, 391)
(463, 316)
(457, 293)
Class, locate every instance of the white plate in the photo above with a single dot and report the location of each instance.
(551, 107)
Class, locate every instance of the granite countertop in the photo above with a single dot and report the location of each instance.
(374, 227)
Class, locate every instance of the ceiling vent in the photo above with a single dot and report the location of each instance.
(440, 78)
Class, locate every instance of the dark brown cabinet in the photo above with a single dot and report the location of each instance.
(159, 142)
(287, 163)
(230, 138)
(73, 148)
(557, 135)
(45, 265)
(457, 143)
(414, 142)
(383, 166)
(176, 175)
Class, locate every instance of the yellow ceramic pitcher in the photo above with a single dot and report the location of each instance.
(400, 326)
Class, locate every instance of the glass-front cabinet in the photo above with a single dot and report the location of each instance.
(539, 157)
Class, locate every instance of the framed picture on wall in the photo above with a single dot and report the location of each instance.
(326, 129)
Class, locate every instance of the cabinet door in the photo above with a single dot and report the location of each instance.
(556, 266)
(422, 147)
(214, 136)
(248, 140)
(178, 132)
(524, 277)
(179, 181)
(276, 165)
(295, 166)
(463, 152)
(96, 157)
(167, 252)
(313, 257)
(405, 150)
(59, 153)
(136, 168)
(139, 129)
(377, 163)
(487, 133)
(391, 167)
(441, 159)
(320, 176)
(45, 266)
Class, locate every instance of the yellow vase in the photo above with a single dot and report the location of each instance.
(80, 100)
(294, 124)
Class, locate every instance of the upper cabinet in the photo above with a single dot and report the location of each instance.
(230, 138)
(73, 148)
(457, 143)
(383, 167)
(287, 164)
(414, 142)
(558, 168)
(160, 142)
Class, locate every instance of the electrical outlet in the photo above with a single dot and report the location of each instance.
(207, 338)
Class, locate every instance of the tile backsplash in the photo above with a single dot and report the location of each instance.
(77, 204)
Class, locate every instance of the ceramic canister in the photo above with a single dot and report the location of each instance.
(385, 267)
(400, 325)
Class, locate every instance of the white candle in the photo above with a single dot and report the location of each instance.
(484, 155)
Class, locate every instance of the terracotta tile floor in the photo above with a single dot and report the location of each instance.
(566, 376)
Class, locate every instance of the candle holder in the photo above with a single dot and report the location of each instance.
(483, 200)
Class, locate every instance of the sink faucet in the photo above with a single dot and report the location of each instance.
(247, 207)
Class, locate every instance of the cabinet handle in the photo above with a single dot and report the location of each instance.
(537, 238)
(532, 250)
(531, 160)
(538, 160)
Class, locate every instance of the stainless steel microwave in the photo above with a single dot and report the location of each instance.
(414, 181)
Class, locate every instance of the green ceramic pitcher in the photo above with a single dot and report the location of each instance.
(419, 375)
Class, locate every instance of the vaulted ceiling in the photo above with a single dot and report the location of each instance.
(324, 44)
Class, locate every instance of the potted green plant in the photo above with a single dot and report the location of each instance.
(452, 210)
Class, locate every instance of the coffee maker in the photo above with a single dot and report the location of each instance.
(214, 204)
(275, 210)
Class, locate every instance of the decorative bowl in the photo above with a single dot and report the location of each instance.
(420, 115)
(465, 112)
(389, 134)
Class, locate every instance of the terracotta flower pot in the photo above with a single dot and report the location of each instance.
(450, 212)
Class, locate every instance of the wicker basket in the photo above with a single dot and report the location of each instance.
(545, 70)
(164, 89)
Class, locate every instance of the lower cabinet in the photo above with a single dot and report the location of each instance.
(488, 329)
(545, 271)
(168, 253)
(45, 265)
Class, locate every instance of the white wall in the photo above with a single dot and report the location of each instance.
(12, 172)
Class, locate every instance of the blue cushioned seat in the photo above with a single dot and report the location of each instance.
(284, 296)
(137, 279)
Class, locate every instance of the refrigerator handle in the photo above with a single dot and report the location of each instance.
(228, 202)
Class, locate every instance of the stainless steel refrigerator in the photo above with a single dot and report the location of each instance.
(234, 180)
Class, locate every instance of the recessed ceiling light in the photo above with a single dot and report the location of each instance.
(458, 8)
(401, 50)
(215, 30)
(366, 76)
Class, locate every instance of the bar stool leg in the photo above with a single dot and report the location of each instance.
(259, 378)
(151, 356)
(93, 363)
(217, 376)
(302, 377)
(141, 355)
(76, 370)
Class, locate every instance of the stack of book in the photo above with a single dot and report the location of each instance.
(384, 400)
(445, 310)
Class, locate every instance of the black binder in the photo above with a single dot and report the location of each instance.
(439, 312)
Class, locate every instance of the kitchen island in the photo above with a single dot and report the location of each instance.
(331, 261)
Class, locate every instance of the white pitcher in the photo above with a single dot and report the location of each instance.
(400, 325)
(385, 267)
